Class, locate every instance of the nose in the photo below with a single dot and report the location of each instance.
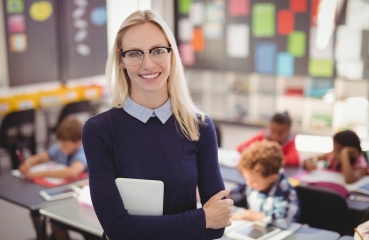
(147, 62)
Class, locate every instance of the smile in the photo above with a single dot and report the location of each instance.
(150, 76)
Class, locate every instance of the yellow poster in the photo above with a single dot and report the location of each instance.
(41, 10)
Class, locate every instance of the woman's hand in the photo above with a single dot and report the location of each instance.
(218, 211)
(309, 165)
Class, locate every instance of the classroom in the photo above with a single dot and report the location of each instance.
(184, 119)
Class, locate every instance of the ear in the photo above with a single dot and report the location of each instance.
(273, 177)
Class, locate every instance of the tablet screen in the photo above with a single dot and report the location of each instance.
(255, 231)
(60, 191)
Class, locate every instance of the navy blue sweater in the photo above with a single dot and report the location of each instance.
(118, 145)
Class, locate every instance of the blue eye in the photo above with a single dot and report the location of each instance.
(133, 54)
(158, 51)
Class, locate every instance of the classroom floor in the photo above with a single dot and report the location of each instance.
(15, 223)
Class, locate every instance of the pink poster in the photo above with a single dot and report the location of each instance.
(239, 7)
(187, 54)
(16, 23)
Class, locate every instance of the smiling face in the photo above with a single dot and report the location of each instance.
(149, 77)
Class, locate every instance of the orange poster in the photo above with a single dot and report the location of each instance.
(198, 40)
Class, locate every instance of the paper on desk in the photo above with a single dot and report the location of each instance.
(228, 158)
(44, 167)
(330, 176)
(286, 232)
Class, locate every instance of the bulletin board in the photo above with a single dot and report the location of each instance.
(263, 36)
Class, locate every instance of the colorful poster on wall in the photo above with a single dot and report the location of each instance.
(196, 14)
(316, 50)
(263, 20)
(296, 43)
(213, 30)
(238, 7)
(285, 64)
(185, 30)
(98, 16)
(41, 11)
(265, 57)
(14, 6)
(321, 68)
(238, 40)
(286, 22)
(198, 41)
(16, 23)
(18, 42)
(187, 54)
(184, 6)
(298, 6)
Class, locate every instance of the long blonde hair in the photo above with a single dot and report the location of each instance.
(186, 113)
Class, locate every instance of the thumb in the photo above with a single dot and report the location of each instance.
(220, 195)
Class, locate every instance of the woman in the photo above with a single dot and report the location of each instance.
(158, 135)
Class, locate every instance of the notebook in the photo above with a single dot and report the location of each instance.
(48, 181)
(141, 197)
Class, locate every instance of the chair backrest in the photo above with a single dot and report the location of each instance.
(75, 108)
(323, 208)
(17, 126)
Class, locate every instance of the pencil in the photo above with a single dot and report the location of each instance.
(20, 157)
(355, 229)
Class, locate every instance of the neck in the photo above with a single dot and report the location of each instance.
(150, 100)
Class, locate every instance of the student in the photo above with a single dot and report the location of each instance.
(347, 157)
(154, 131)
(267, 195)
(278, 131)
(69, 151)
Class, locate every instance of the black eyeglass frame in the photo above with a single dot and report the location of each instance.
(123, 54)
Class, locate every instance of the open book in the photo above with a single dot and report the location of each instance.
(47, 181)
(334, 178)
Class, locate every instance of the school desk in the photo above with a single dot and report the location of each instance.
(346, 238)
(25, 194)
(84, 218)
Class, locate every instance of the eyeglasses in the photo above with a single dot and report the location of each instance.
(135, 57)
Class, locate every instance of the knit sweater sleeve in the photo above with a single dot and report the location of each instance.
(98, 145)
(210, 180)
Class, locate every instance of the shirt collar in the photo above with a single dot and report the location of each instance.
(143, 114)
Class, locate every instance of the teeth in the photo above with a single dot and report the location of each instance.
(150, 76)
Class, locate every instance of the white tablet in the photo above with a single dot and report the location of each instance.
(141, 197)
(60, 192)
(253, 231)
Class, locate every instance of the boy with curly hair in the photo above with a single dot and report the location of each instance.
(267, 195)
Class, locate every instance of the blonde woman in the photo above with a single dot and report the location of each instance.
(155, 132)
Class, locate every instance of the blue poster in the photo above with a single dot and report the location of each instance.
(265, 57)
(285, 64)
(98, 16)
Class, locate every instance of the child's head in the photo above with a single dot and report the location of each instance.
(279, 127)
(343, 139)
(69, 135)
(260, 164)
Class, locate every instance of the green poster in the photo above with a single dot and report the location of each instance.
(320, 68)
(14, 6)
(296, 44)
(263, 20)
(184, 6)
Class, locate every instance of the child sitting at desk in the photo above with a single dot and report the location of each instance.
(347, 157)
(68, 151)
(278, 131)
(268, 196)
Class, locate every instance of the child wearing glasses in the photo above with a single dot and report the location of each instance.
(154, 131)
(279, 131)
(267, 195)
(347, 157)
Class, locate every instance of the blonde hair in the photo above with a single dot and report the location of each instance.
(264, 157)
(186, 113)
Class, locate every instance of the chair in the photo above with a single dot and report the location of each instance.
(323, 208)
(219, 136)
(70, 109)
(17, 131)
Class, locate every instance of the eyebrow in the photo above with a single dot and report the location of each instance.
(154, 46)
